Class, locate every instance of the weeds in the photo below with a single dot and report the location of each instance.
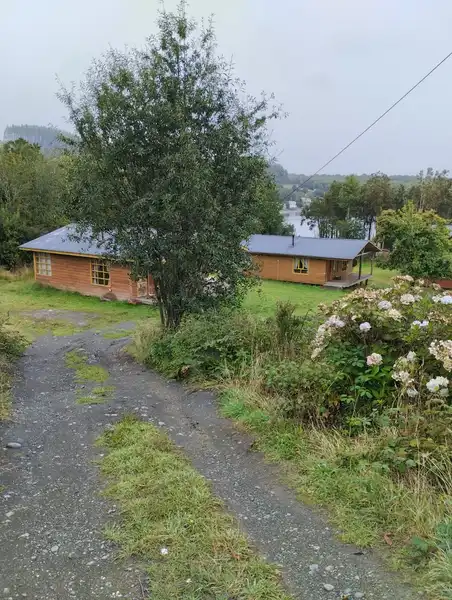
(77, 360)
(165, 503)
(12, 344)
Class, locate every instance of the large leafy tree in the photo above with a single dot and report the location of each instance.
(419, 242)
(170, 164)
(31, 192)
(338, 213)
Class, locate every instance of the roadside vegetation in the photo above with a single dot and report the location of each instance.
(353, 400)
(171, 519)
(12, 344)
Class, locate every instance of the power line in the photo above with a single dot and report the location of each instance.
(299, 186)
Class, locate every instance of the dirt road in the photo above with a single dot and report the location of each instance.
(52, 516)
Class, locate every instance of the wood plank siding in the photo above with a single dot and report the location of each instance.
(281, 268)
(73, 273)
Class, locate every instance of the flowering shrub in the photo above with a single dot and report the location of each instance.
(391, 350)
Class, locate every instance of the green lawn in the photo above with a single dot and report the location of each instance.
(25, 296)
(263, 299)
(380, 278)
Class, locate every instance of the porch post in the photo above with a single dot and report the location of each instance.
(360, 265)
(371, 264)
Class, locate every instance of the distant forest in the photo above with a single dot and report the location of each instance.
(322, 182)
(47, 138)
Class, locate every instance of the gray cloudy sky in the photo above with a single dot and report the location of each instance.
(333, 64)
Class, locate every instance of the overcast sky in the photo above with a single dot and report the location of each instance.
(335, 65)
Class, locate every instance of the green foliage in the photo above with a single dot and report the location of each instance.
(12, 344)
(349, 208)
(172, 159)
(419, 242)
(211, 345)
(31, 196)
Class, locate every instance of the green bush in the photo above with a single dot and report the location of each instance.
(226, 343)
(11, 347)
(213, 345)
(302, 386)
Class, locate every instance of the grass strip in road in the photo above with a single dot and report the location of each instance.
(170, 518)
(98, 395)
(77, 360)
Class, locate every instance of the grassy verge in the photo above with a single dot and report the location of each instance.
(371, 508)
(12, 344)
(170, 518)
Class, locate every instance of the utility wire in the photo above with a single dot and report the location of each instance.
(300, 185)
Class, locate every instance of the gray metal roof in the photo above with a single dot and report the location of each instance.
(311, 247)
(60, 240)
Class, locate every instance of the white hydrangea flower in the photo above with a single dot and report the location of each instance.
(402, 376)
(335, 321)
(444, 392)
(442, 351)
(420, 324)
(384, 305)
(446, 299)
(365, 326)
(393, 313)
(407, 299)
(434, 385)
(436, 299)
(374, 359)
(411, 356)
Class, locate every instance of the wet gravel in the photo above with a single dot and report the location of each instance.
(52, 515)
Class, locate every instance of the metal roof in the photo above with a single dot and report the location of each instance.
(282, 245)
(61, 240)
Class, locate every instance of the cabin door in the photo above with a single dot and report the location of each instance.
(145, 287)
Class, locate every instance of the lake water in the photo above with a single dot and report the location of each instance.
(294, 218)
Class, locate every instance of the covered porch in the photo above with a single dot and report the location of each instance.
(347, 274)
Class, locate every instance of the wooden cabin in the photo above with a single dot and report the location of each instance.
(67, 263)
(330, 262)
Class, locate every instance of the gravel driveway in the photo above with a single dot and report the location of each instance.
(52, 516)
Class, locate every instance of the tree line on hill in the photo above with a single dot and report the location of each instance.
(350, 208)
(49, 139)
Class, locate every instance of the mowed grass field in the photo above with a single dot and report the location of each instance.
(262, 300)
(20, 297)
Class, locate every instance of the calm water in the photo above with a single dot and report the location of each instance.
(293, 217)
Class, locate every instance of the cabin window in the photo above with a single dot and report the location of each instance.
(344, 265)
(43, 264)
(300, 265)
(100, 273)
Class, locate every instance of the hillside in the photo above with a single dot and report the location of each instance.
(46, 137)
